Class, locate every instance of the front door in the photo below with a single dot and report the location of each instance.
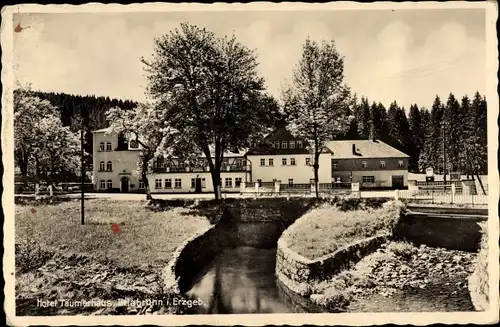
(124, 185)
(197, 188)
(398, 181)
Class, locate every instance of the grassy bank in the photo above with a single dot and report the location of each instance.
(124, 232)
(329, 227)
(117, 256)
(479, 280)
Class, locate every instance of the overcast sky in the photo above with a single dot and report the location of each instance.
(408, 56)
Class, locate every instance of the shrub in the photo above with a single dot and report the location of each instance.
(30, 256)
(404, 250)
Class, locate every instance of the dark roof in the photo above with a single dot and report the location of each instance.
(364, 149)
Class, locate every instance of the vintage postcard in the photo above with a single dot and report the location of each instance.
(250, 164)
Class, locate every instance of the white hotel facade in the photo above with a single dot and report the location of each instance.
(281, 159)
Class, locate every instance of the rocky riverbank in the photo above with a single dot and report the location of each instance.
(401, 277)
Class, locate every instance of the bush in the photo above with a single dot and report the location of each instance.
(404, 250)
(30, 256)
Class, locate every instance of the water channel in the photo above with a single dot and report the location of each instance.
(241, 279)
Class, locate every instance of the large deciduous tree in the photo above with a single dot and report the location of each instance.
(318, 102)
(214, 90)
(146, 125)
(40, 138)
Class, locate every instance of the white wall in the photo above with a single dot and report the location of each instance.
(124, 163)
(300, 173)
(186, 181)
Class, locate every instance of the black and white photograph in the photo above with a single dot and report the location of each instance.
(250, 164)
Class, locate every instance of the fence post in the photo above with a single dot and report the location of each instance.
(453, 190)
(432, 201)
(396, 195)
(51, 192)
(277, 186)
(242, 187)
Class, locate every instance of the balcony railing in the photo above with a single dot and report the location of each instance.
(224, 168)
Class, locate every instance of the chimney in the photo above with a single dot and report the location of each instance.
(353, 148)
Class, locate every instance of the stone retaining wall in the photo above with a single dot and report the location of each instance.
(296, 271)
(189, 258)
(463, 234)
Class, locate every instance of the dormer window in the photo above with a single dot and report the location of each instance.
(277, 144)
(382, 164)
(292, 144)
(284, 144)
(364, 164)
(299, 144)
(134, 144)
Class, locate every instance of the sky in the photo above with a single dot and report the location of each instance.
(405, 55)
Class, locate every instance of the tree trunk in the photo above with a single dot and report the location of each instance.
(316, 173)
(216, 181)
(480, 182)
(144, 177)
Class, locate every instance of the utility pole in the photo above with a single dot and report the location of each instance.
(444, 152)
(82, 166)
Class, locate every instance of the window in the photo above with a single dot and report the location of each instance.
(193, 182)
(168, 183)
(364, 164)
(335, 165)
(109, 166)
(368, 179)
(382, 164)
(108, 146)
(262, 162)
(271, 162)
(178, 183)
(308, 161)
(292, 144)
(102, 166)
(292, 161)
(134, 144)
(141, 185)
(299, 144)
(157, 183)
(277, 144)
(290, 181)
(237, 181)
(229, 182)
(109, 184)
(101, 146)
(283, 161)
(401, 164)
(284, 144)
(102, 184)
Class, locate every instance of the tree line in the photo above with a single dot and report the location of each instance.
(207, 98)
(47, 131)
(451, 136)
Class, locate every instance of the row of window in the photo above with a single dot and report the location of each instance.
(167, 183)
(287, 144)
(103, 184)
(335, 165)
(106, 166)
(284, 161)
(108, 147)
